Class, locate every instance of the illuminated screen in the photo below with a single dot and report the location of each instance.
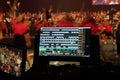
(11, 60)
(105, 2)
(65, 41)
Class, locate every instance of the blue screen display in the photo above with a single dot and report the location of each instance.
(65, 41)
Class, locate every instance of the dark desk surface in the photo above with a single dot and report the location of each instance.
(73, 73)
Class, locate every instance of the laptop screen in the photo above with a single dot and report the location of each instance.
(65, 41)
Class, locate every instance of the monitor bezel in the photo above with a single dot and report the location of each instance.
(23, 63)
(46, 59)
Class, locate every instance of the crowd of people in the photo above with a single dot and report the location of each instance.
(57, 19)
(26, 24)
(10, 60)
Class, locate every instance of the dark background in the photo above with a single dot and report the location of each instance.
(57, 5)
